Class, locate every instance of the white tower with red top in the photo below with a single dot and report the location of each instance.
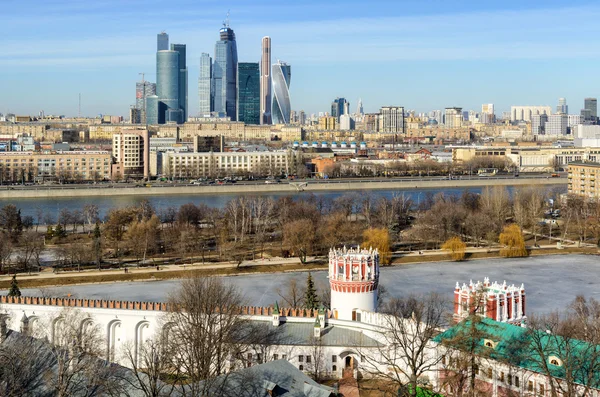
(353, 277)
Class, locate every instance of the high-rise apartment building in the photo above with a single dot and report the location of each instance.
(167, 85)
(562, 106)
(281, 109)
(337, 108)
(557, 124)
(453, 117)
(205, 93)
(248, 93)
(391, 119)
(183, 79)
(162, 41)
(225, 73)
(538, 124)
(265, 82)
(524, 113)
(143, 89)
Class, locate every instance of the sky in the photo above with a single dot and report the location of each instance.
(422, 55)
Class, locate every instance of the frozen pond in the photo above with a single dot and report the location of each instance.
(551, 282)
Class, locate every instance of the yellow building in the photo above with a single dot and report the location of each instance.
(327, 123)
(62, 166)
(195, 165)
(582, 179)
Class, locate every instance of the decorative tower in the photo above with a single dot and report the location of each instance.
(500, 302)
(353, 277)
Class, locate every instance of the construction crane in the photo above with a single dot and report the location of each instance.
(142, 73)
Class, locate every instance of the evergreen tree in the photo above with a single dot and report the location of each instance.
(14, 287)
(59, 231)
(311, 301)
(49, 232)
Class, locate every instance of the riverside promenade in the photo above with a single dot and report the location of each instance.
(260, 187)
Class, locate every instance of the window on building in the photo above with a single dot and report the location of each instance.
(249, 356)
(476, 369)
(301, 358)
(509, 379)
(308, 359)
(530, 386)
(490, 373)
(284, 356)
(501, 377)
(334, 368)
(542, 390)
(301, 367)
(334, 359)
(275, 356)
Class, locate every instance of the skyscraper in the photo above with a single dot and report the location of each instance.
(204, 85)
(562, 107)
(225, 72)
(143, 89)
(337, 108)
(162, 41)
(359, 109)
(265, 82)
(183, 79)
(591, 104)
(248, 99)
(167, 84)
(282, 76)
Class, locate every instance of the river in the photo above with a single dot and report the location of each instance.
(30, 206)
(551, 282)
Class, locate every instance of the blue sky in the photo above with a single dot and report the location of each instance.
(423, 55)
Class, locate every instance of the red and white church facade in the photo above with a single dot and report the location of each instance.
(499, 302)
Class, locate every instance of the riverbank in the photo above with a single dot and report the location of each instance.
(276, 265)
(260, 188)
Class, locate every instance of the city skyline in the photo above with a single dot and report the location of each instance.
(516, 62)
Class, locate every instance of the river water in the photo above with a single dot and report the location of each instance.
(551, 282)
(54, 205)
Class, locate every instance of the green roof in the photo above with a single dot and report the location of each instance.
(511, 341)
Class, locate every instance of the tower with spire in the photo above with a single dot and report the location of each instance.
(354, 279)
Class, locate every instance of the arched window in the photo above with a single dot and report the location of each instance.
(555, 361)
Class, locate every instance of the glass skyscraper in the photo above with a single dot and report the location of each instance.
(162, 41)
(143, 89)
(204, 85)
(183, 79)
(248, 99)
(167, 82)
(225, 73)
(282, 108)
(337, 107)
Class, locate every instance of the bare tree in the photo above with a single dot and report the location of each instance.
(6, 250)
(91, 214)
(564, 346)
(30, 250)
(315, 361)
(78, 346)
(407, 352)
(206, 330)
(154, 374)
(24, 363)
(292, 293)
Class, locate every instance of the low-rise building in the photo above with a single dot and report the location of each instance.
(196, 165)
(60, 166)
